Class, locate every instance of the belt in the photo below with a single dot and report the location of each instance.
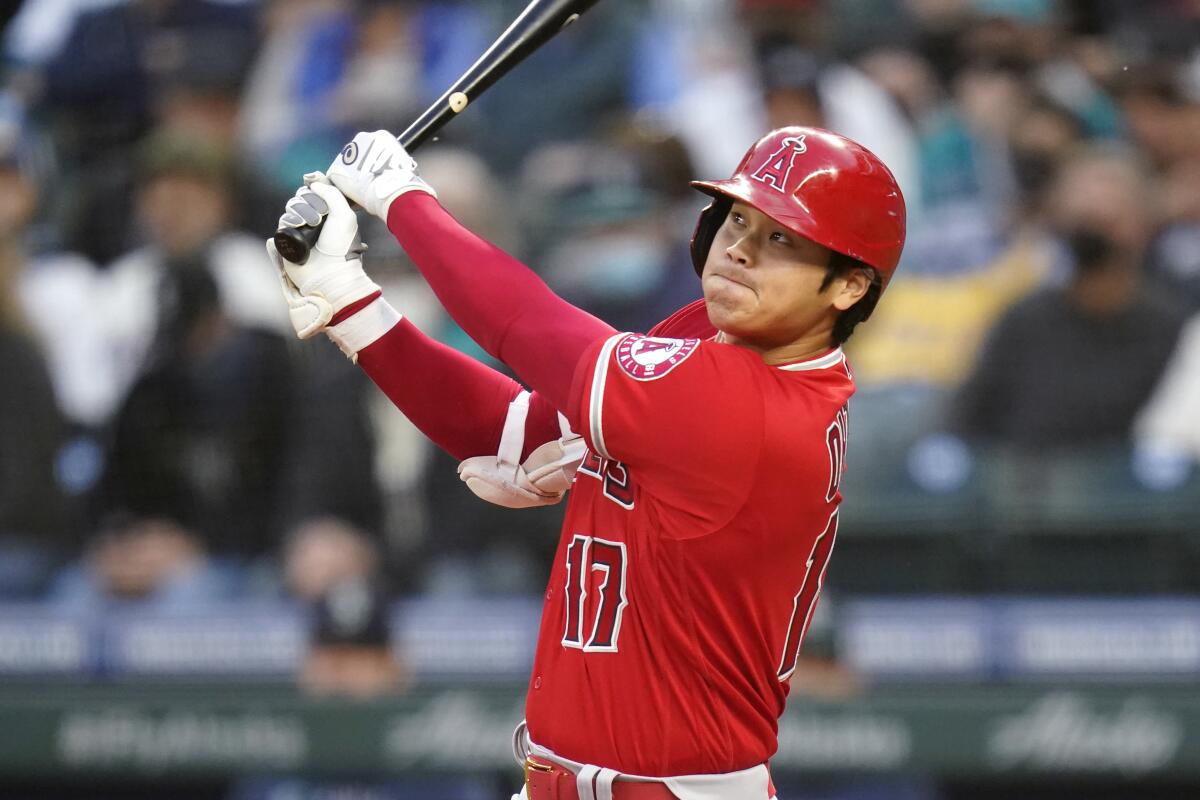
(545, 780)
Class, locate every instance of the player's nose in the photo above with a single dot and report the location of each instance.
(739, 251)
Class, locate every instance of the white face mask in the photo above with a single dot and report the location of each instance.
(617, 265)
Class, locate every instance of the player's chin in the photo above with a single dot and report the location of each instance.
(731, 319)
(720, 311)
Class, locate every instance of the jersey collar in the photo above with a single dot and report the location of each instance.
(830, 359)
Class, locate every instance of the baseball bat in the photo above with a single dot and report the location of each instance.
(535, 26)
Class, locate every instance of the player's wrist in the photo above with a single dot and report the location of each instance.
(403, 205)
(364, 326)
(392, 190)
(343, 286)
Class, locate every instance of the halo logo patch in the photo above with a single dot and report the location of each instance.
(649, 357)
(350, 153)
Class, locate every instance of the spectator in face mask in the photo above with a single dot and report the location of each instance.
(350, 652)
(1072, 365)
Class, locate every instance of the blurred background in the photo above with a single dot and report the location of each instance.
(229, 569)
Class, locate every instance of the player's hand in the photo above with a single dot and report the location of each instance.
(374, 169)
(333, 277)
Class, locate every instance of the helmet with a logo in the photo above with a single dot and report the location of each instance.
(820, 185)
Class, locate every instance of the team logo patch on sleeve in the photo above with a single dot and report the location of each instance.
(648, 357)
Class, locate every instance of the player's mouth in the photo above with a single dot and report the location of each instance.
(732, 279)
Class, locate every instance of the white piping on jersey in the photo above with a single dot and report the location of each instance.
(825, 361)
(597, 398)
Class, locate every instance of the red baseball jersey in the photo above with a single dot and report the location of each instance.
(694, 547)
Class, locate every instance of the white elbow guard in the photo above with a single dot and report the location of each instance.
(541, 480)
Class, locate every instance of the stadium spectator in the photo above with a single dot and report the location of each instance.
(1162, 119)
(322, 552)
(208, 388)
(975, 245)
(1165, 122)
(202, 437)
(57, 293)
(1177, 248)
(184, 206)
(350, 652)
(204, 294)
(95, 80)
(35, 528)
(1072, 365)
(335, 569)
(326, 387)
(148, 563)
(35, 531)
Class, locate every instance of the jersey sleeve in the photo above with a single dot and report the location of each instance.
(685, 416)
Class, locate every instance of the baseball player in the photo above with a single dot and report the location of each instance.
(704, 459)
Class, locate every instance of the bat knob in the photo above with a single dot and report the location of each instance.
(294, 244)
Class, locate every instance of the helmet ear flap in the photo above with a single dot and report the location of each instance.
(711, 219)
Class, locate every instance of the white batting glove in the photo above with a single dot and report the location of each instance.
(374, 169)
(333, 277)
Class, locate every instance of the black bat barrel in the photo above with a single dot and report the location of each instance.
(536, 25)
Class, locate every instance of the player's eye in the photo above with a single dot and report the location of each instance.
(736, 218)
(780, 238)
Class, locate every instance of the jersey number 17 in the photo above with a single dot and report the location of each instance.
(595, 567)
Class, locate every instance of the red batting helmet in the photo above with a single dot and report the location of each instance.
(822, 186)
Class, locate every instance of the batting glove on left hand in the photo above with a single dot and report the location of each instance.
(374, 169)
(333, 277)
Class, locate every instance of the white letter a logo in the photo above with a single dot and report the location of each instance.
(775, 170)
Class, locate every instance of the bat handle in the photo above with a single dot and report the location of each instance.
(294, 244)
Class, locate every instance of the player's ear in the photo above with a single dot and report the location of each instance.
(851, 287)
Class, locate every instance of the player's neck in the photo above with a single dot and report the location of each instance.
(808, 346)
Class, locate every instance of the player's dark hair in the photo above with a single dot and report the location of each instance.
(841, 264)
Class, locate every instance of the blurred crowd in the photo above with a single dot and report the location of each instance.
(165, 441)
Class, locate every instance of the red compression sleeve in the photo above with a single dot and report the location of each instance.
(501, 304)
(457, 402)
